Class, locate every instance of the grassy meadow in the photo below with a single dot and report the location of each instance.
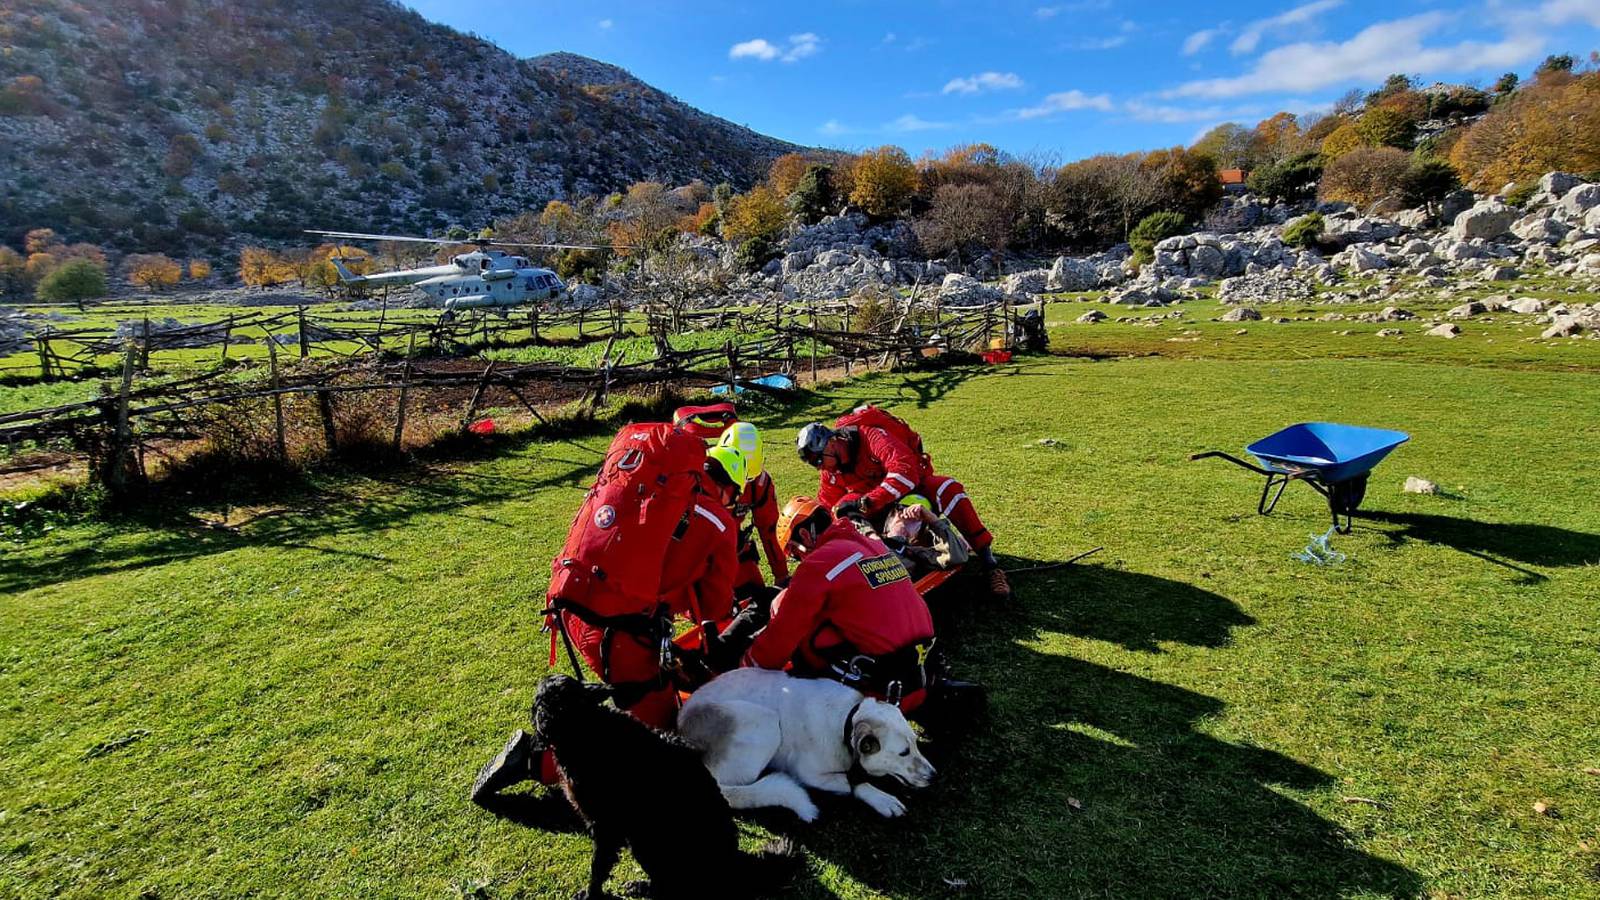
(289, 695)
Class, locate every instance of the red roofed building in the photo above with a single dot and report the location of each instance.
(1232, 180)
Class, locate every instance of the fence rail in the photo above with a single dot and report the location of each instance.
(111, 431)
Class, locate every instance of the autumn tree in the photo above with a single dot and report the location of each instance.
(785, 173)
(260, 267)
(965, 218)
(1365, 175)
(883, 180)
(1550, 125)
(199, 270)
(754, 222)
(152, 271)
(14, 280)
(1386, 126)
(1343, 140)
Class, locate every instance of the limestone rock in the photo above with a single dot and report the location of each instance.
(1447, 330)
(1242, 314)
(1487, 220)
(1578, 201)
(1091, 317)
(1415, 485)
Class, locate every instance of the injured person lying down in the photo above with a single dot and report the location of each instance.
(924, 541)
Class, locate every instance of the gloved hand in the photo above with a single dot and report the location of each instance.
(852, 507)
(725, 650)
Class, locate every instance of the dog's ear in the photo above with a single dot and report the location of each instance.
(865, 742)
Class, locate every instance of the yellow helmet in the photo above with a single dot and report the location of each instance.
(917, 500)
(733, 464)
(745, 438)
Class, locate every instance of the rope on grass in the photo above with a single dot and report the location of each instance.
(1318, 553)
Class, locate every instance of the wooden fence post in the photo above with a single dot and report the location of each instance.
(813, 343)
(277, 399)
(227, 332)
(43, 340)
(605, 375)
(305, 344)
(144, 340)
(733, 368)
(400, 404)
(330, 433)
(477, 395)
(118, 465)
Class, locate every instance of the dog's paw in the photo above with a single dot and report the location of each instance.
(807, 811)
(884, 804)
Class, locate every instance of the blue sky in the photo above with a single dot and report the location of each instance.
(1058, 78)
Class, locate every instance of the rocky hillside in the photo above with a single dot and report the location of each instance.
(162, 124)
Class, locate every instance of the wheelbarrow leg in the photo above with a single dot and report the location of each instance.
(1269, 500)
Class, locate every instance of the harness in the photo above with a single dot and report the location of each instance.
(856, 774)
(888, 676)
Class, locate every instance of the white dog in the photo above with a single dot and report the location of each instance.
(768, 736)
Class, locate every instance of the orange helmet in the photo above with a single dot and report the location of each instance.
(796, 513)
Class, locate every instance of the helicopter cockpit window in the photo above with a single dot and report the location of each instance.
(483, 264)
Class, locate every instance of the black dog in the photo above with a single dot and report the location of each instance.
(651, 792)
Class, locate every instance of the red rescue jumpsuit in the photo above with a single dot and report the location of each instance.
(885, 469)
(696, 581)
(849, 592)
(760, 501)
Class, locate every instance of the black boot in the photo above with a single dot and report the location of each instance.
(512, 765)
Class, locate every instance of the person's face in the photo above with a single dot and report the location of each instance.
(801, 542)
(835, 456)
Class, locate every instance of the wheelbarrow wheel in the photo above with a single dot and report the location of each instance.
(1344, 498)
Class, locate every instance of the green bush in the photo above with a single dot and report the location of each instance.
(755, 253)
(813, 195)
(74, 281)
(1152, 230)
(1522, 193)
(1292, 179)
(1305, 231)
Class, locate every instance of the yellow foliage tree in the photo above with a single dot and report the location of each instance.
(260, 267)
(1551, 125)
(152, 271)
(40, 240)
(759, 214)
(1344, 139)
(784, 175)
(882, 181)
(199, 270)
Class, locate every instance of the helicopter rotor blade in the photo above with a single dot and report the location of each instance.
(353, 235)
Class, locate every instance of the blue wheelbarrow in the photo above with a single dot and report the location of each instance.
(1334, 459)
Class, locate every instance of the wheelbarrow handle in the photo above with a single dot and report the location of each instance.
(1218, 454)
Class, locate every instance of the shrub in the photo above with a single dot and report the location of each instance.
(1366, 175)
(1305, 231)
(785, 174)
(1292, 179)
(1344, 139)
(812, 197)
(73, 282)
(1522, 193)
(1152, 230)
(152, 271)
(756, 215)
(884, 179)
(1386, 127)
(199, 270)
(1552, 125)
(1427, 181)
(755, 253)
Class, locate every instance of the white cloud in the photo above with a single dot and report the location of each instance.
(1047, 12)
(799, 47)
(1107, 43)
(1560, 12)
(1198, 41)
(1174, 115)
(1370, 56)
(834, 126)
(802, 46)
(1065, 101)
(1250, 38)
(912, 122)
(605, 24)
(983, 81)
(759, 48)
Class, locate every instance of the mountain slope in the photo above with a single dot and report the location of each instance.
(165, 123)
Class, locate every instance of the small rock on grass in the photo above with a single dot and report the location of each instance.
(1447, 330)
(1389, 332)
(1546, 810)
(1415, 485)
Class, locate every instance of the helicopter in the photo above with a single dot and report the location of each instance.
(482, 279)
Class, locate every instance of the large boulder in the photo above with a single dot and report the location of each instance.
(1578, 201)
(1487, 220)
(1557, 184)
(1358, 259)
(1032, 281)
(1454, 204)
(1540, 228)
(1242, 314)
(964, 290)
(1206, 261)
(1068, 274)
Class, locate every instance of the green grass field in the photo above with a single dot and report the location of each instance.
(295, 705)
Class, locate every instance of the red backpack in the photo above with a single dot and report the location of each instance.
(872, 417)
(612, 560)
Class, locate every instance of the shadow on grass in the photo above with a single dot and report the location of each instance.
(1088, 781)
(1498, 543)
